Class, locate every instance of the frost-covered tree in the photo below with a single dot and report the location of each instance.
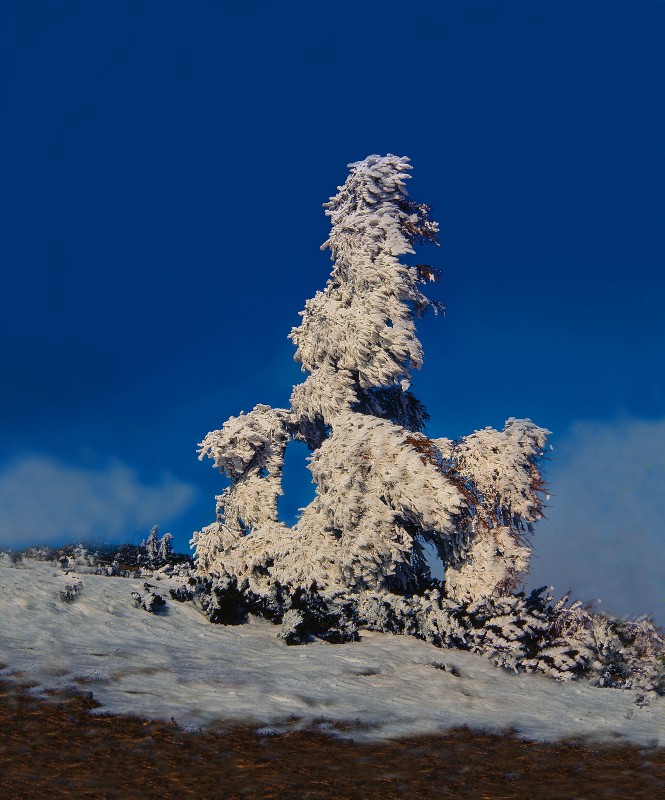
(156, 551)
(165, 552)
(384, 490)
(150, 547)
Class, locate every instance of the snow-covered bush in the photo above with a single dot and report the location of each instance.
(386, 492)
(148, 600)
(71, 592)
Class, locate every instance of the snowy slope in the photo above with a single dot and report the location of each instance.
(177, 665)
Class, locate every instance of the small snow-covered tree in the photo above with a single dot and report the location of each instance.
(165, 551)
(155, 551)
(384, 489)
(150, 547)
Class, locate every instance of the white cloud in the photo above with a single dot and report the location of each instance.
(44, 500)
(605, 532)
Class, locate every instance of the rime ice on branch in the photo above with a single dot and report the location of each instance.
(384, 490)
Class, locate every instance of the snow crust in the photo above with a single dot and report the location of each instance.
(175, 664)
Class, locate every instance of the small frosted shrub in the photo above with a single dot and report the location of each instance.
(148, 600)
(71, 592)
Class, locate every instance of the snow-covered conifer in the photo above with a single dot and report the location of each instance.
(155, 551)
(165, 551)
(383, 488)
(150, 546)
(385, 491)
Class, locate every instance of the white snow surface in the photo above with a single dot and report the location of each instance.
(178, 665)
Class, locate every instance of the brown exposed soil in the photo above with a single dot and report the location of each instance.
(56, 749)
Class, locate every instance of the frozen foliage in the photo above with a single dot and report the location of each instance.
(383, 488)
(385, 491)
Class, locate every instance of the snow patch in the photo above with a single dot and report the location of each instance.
(178, 665)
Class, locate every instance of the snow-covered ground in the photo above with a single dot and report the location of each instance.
(176, 664)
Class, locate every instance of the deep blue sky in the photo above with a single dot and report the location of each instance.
(163, 169)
